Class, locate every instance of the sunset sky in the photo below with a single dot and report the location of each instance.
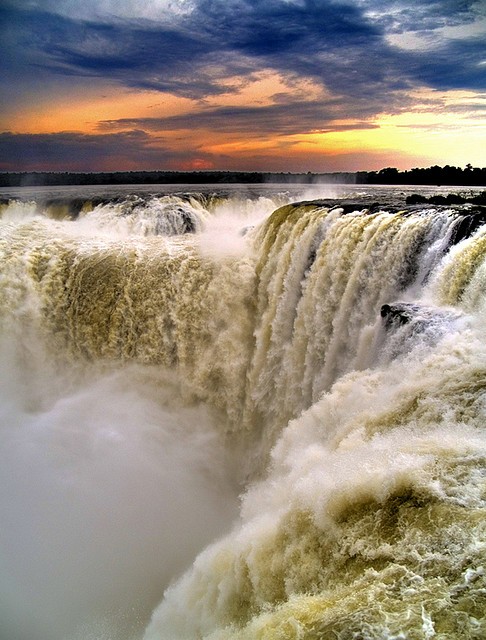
(265, 85)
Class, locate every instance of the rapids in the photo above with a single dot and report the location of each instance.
(241, 415)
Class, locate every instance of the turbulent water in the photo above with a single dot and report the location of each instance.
(241, 414)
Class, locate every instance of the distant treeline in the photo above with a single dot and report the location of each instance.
(36, 179)
(470, 176)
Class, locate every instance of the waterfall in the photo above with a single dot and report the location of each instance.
(328, 364)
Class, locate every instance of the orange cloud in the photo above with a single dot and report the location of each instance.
(82, 111)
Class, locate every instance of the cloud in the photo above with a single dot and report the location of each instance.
(134, 55)
(400, 16)
(255, 121)
(68, 151)
(452, 66)
(160, 10)
(195, 52)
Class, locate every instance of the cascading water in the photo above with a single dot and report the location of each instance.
(327, 363)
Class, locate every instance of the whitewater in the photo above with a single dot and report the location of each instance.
(242, 412)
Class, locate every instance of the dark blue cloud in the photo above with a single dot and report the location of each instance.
(82, 152)
(455, 66)
(274, 28)
(143, 56)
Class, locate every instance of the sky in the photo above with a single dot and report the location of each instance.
(251, 85)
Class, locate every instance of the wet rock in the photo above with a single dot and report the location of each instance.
(419, 317)
(398, 313)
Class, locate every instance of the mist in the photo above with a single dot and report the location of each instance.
(106, 494)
